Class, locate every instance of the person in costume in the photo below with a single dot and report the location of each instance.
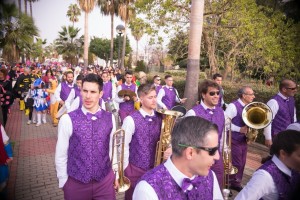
(6, 95)
(53, 102)
(283, 109)
(40, 102)
(278, 177)
(84, 146)
(209, 110)
(142, 129)
(186, 175)
(239, 130)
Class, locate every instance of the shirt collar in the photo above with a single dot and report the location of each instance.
(144, 113)
(282, 96)
(168, 87)
(177, 175)
(281, 166)
(205, 106)
(241, 102)
(128, 84)
(84, 110)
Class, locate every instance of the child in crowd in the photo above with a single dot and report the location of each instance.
(29, 101)
(40, 101)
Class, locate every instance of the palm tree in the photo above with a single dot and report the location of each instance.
(126, 13)
(87, 6)
(25, 6)
(20, 6)
(17, 32)
(69, 44)
(110, 8)
(193, 68)
(73, 13)
(30, 5)
(137, 30)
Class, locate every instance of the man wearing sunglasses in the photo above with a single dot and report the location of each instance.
(156, 83)
(208, 109)
(283, 108)
(239, 131)
(186, 174)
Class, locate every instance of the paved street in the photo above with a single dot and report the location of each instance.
(32, 171)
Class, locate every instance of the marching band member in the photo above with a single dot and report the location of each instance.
(283, 109)
(142, 130)
(84, 147)
(109, 90)
(208, 109)
(278, 177)
(239, 131)
(186, 174)
(126, 104)
(218, 78)
(168, 95)
(294, 126)
(64, 88)
(156, 83)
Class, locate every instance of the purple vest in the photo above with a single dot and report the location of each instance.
(144, 140)
(65, 91)
(128, 106)
(285, 185)
(238, 121)
(107, 91)
(220, 97)
(170, 97)
(157, 88)
(77, 92)
(88, 153)
(166, 188)
(217, 117)
(285, 114)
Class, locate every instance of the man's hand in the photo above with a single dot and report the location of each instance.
(9, 160)
(183, 100)
(134, 98)
(268, 143)
(126, 98)
(116, 184)
(61, 102)
(244, 129)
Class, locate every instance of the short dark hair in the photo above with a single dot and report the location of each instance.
(93, 78)
(156, 76)
(203, 88)
(288, 140)
(216, 75)
(190, 131)
(79, 77)
(145, 89)
(168, 76)
(4, 71)
(241, 91)
(128, 72)
(284, 83)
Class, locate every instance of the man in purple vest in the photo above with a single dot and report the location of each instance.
(156, 83)
(168, 95)
(218, 78)
(142, 130)
(109, 90)
(186, 174)
(239, 131)
(126, 104)
(64, 88)
(278, 177)
(208, 109)
(283, 108)
(84, 146)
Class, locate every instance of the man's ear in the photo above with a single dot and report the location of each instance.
(188, 153)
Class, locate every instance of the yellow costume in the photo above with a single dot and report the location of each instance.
(53, 103)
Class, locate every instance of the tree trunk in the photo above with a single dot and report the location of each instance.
(124, 47)
(20, 7)
(137, 51)
(25, 3)
(193, 68)
(86, 40)
(112, 39)
(30, 6)
(210, 46)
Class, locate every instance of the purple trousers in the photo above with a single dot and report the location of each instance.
(239, 155)
(104, 190)
(218, 168)
(133, 173)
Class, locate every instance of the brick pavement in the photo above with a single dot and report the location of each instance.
(32, 172)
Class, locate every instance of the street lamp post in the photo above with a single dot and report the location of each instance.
(120, 29)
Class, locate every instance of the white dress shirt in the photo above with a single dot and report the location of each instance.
(146, 192)
(58, 90)
(121, 100)
(129, 128)
(161, 94)
(231, 112)
(294, 126)
(65, 130)
(76, 102)
(273, 104)
(261, 185)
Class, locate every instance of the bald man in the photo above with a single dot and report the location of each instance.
(283, 108)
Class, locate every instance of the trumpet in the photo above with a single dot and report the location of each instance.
(168, 122)
(256, 115)
(119, 141)
(226, 155)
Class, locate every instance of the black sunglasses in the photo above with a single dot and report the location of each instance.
(292, 88)
(211, 151)
(158, 79)
(214, 93)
